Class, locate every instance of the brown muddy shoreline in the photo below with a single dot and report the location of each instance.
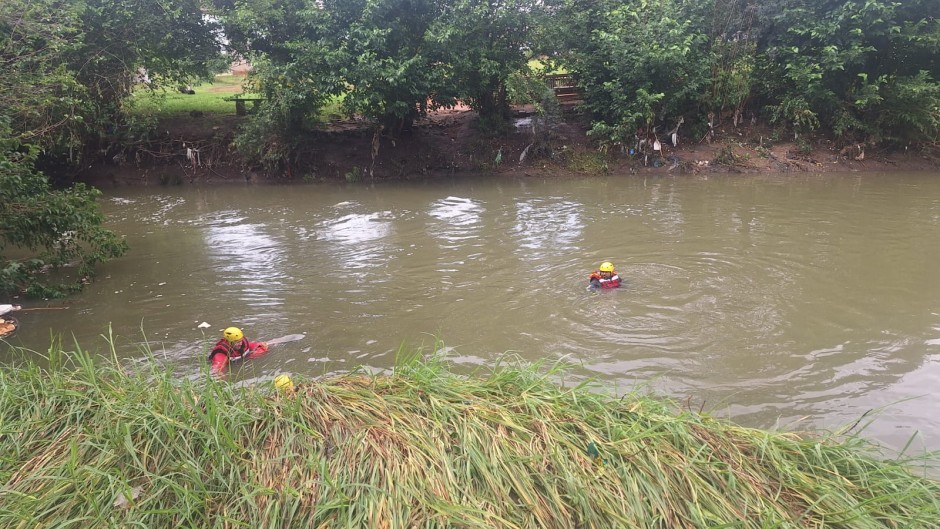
(448, 143)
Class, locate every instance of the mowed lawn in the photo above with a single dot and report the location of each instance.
(208, 99)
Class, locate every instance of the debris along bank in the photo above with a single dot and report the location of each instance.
(451, 141)
(420, 447)
(8, 323)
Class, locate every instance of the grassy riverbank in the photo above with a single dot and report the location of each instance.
(88, 445)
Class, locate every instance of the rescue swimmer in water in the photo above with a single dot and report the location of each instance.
(234, 347)
(604, 277)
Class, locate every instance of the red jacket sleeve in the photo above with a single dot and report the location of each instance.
(256, 348)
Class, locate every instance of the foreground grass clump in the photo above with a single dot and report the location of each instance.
(86, 445)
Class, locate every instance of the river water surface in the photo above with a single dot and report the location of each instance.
(789, 302)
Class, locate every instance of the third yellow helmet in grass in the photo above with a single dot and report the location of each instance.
(284, 383)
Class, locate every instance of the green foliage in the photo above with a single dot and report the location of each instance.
(355, 174)
(803, 146)
(294, 65)
(373, 53)
(727, 156)
(548, 116)
(483, 45)
(641, 64)
(634, 112)
(263, 138)
(46, 108)
(864, 69)
(293, 69)
(170, 41)
(391, 60)
(68, 66)
(43, 103)
(795, 111)
(47, 229)
(526, 89)
(860, 69)
(910, 110)
(592, 163)
(386, 62)
(733, 69)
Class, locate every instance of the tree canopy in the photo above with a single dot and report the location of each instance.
(70, 65)
(391, 60)
(860, 70)
(866, 70)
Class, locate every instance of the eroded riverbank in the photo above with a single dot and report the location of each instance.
(449, 143)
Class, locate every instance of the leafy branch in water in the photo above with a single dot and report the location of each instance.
(47, 229)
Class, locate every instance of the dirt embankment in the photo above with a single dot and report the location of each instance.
(448, 142)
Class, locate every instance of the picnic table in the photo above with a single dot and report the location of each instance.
(240, 100)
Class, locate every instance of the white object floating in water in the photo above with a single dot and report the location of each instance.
(204, 325)
(8, 308)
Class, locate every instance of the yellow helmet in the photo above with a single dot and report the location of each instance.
(233, 334)
(284, 383)
(606, 266)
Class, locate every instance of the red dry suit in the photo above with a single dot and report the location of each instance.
(224, 352)
(612, 282)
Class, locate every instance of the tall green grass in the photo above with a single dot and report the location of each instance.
(90, 443)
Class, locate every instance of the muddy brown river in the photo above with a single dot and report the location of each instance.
(788, 301)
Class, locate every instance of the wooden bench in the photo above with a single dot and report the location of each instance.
(240, 108)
